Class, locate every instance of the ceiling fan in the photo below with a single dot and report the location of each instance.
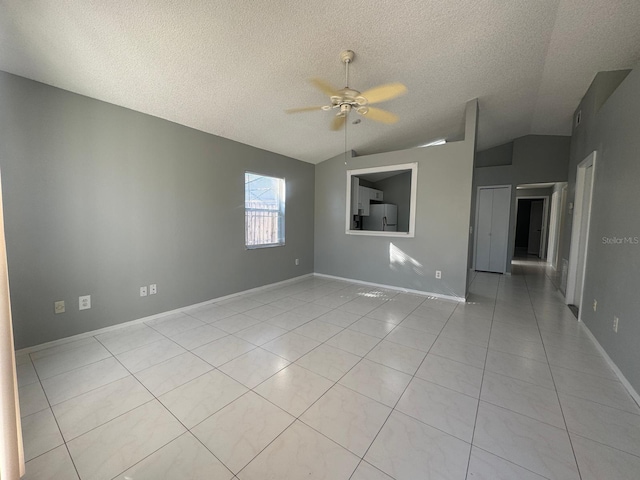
(347, 99)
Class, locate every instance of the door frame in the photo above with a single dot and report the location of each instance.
(561, 215)
(576, 227)
(545, 219)
(554, 226)
(475, 229)
(11, 447)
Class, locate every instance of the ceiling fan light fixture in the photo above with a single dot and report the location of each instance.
(345, 108)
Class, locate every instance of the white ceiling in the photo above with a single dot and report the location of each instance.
(231, 67)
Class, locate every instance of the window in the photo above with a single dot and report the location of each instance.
(381, 201)
(264, 199)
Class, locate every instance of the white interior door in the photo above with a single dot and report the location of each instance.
(500, 229)
(492, 228)
(483, 229)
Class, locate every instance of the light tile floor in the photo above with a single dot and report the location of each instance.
(322, 379)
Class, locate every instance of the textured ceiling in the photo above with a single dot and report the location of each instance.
(231, 67)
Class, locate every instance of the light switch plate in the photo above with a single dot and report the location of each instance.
(58, 307)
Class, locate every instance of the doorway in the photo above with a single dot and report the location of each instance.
(531, 226)
(580, 232)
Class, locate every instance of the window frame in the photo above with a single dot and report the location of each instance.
(281, 212)
(413, 167)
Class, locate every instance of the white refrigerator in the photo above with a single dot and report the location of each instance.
(383, 217)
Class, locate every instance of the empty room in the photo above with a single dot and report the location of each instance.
(333, 240)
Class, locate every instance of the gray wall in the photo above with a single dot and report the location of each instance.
(496, 156)
(101, 200)
(536, 159)
(442, 220)
(582, 140)
(613, 270)
(397, 190)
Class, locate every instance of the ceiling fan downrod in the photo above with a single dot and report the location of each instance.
(347, 57)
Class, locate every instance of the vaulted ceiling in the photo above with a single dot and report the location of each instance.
(231, 68)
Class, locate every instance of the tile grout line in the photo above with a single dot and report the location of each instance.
(321, 396)
(253, 390)
(66, 446)
(170, 413)
(575, 458)
(513, 463)
(318, 399)
(393, 409)
(484, 369)
(133, 376)
(606, 445)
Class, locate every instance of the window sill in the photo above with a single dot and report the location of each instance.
(372, 233)
(258, 247)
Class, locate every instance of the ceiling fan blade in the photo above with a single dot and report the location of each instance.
(384, 92)
(303, 109)
(380, 115)
(324, 87)
(338, 122)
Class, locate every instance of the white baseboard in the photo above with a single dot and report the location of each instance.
(391, 287)
(111, 328)
(613, 366)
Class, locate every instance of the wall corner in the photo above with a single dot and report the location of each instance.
(471, 123)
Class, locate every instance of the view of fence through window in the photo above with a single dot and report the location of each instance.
(264, 200)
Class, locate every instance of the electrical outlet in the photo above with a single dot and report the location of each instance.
(615, 323)
(84, 302)
(153, 289)
(595, 305)
(438, 274)
(58, 307)
(297, 261)
(143, 291)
